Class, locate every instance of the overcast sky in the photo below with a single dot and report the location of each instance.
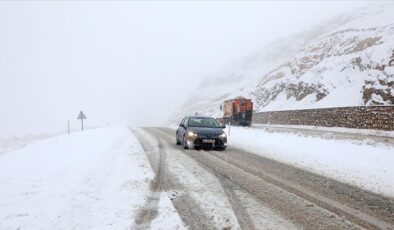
(127, 63)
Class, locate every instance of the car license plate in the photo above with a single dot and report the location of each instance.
(208, 141)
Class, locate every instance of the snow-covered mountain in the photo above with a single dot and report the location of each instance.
(347, 61)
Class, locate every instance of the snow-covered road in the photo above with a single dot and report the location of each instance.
(116, 178)
(241, 189)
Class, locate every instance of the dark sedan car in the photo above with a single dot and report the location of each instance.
(201, 132)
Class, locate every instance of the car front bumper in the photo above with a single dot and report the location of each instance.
(198, 142)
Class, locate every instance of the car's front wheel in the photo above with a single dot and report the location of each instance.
(184, 143)
(221, 148)
(176, 138)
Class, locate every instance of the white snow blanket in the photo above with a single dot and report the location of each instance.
(96, 179)
(366, 164)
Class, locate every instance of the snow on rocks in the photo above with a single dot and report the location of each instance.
(359, 163)
(96, 179)
(345, 61)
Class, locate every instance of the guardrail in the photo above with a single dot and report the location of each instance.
(360, 117)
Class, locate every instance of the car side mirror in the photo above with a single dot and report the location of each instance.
(182, 125)
(223, 126)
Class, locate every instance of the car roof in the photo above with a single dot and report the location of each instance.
(199, 117)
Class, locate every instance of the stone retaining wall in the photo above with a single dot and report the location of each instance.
(362, 117)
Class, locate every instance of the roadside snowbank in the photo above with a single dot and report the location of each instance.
(96, 179)
(364, 164)
(361, 132)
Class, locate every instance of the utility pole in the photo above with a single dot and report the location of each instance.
(229, 128)
(68, 126)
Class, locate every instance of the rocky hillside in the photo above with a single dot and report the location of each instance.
(347, 61)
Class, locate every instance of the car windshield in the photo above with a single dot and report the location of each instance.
(203, 122)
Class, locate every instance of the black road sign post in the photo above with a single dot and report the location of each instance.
(81, 116)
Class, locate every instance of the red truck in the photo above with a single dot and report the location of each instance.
(238, 111)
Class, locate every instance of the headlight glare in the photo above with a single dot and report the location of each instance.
(191, 134)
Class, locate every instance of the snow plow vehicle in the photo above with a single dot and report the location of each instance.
(237, 111)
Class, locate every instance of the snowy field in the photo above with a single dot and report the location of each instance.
(96, 179)
(362, 163)
(14, 143)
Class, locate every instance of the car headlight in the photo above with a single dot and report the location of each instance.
(191, 134)
(223, 135)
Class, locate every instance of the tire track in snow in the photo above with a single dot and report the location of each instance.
(189, 211)
(232, 191)
(242, 215)
(240, 212)
(150, 210)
